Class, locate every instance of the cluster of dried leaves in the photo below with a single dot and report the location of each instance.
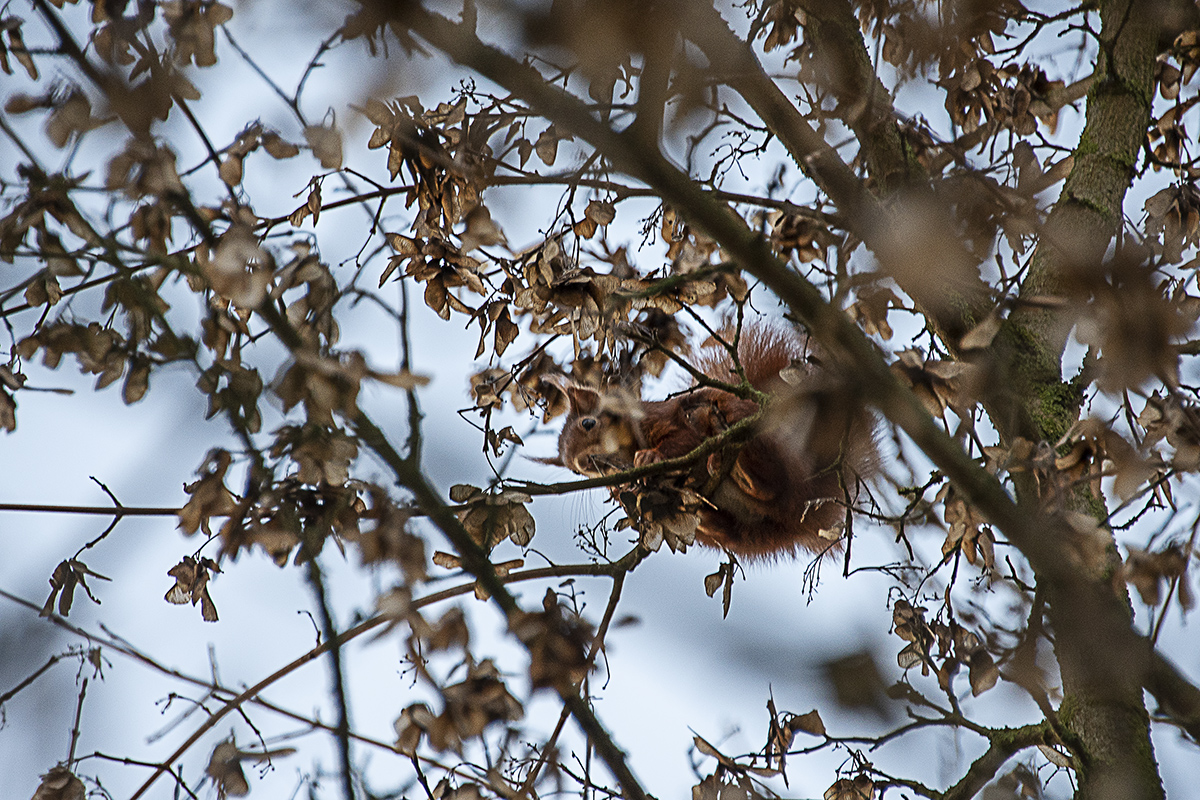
(955, 647)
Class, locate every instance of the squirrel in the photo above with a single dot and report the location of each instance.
(775, 494)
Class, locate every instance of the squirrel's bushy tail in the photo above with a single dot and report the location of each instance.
(793, 480)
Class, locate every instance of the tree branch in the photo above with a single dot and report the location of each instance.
(1002, 746)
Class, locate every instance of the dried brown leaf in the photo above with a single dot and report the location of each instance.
(1055, 756)
(547, 146)
(325, 141)
(60, 784)
(277, 147)
(860, 788)
(809, 723)
(983, 672)
(980, 337)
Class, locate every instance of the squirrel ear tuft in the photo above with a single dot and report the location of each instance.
(556, 461)
(583, 399)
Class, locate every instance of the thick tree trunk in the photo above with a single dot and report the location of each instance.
(1103, 709)
(1103, 705)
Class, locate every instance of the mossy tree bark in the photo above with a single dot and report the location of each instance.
(1103, 709)
(1103, 703)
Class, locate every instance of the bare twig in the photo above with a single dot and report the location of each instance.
(75, 727)
(37, 673)
(250, 695)
(337, 677)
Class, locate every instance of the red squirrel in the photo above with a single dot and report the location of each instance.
(789, 482)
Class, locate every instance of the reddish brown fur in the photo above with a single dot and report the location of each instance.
(784, 486)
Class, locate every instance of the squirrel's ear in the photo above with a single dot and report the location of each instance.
(553, 462)
(583, 399)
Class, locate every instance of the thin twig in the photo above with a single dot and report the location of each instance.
(75, 726)
(104, 511)
(594, 570)
(337, 677)
(11, 693)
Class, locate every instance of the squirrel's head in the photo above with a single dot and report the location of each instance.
(600, 433)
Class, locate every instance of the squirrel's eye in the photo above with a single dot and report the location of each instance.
(587, 423)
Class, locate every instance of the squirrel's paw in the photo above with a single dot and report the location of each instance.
(644, 458)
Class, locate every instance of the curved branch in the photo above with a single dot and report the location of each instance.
(1004, 744)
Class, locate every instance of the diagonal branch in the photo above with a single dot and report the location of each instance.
(475, 561)
(953, 307)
